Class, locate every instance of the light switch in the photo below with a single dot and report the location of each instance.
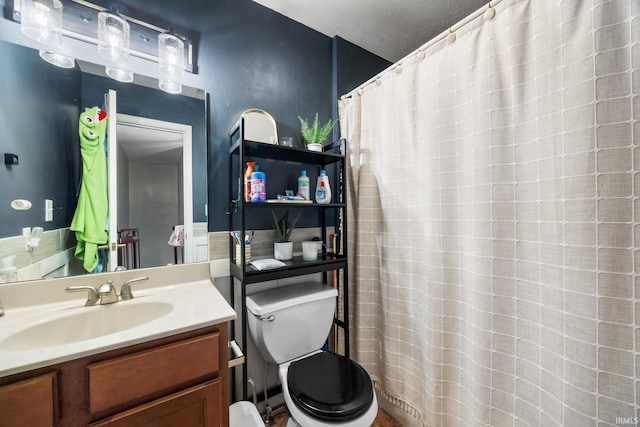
(48, 210)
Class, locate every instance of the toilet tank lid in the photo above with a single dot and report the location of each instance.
(267, 302)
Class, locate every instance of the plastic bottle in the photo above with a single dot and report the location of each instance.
(8, 272)
(323, 190)
(247, 180)
(258, 186)
(303, 185)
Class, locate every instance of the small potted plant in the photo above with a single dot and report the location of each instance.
(315, 136)
(283, 226)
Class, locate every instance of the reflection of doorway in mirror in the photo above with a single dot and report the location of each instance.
(154, 189)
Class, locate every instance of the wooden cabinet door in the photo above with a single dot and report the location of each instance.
(32, 402)
(199, 406)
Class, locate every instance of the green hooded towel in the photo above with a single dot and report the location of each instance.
(90, 219)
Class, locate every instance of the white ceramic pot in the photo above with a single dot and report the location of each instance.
(283, 251)
(314, 147)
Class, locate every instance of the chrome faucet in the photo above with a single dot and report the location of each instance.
(125, 290)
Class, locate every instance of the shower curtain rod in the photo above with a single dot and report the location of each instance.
(488, 12)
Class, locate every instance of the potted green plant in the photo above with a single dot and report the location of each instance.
(283, 226)
(315, 136)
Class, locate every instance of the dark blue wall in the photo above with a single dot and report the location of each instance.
(261, 59)
(42, 130)
(353, 66)
(253, 57)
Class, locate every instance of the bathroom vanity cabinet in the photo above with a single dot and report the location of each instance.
(177, 380)
(331, 264)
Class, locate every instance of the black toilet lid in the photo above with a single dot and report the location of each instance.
(330, 387)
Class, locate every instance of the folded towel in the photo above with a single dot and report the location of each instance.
(267, 264)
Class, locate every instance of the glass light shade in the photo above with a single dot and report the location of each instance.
(119, 74)
(170, 55)
(113, 37)
(57, 59)
(41, 20)
(170, 86)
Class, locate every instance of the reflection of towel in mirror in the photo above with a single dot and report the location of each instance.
(90, 219)
(177, 236)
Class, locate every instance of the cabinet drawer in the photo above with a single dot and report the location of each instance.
(31, 402)
(128, 381)
(199, 406)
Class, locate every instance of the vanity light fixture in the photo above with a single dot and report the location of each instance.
(119, 36)
(41, 20)
(170, 86)
(170, 62)
(58, 59)
(113, 45)
(119, 74)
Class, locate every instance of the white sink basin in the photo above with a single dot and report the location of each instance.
(44, 325)
(84, 324)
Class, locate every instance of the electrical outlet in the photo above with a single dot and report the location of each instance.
(48, 210)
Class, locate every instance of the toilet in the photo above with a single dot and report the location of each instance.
(289, 326)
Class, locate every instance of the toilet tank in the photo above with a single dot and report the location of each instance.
(291, 321)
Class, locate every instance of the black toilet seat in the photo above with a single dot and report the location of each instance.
(330, 387)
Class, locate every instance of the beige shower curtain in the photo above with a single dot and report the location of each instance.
(495, 220)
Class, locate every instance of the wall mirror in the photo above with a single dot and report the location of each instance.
(259, 126)
(159, 165)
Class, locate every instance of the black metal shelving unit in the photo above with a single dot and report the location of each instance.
(240, 151)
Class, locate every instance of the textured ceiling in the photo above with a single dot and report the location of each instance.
(389, 28)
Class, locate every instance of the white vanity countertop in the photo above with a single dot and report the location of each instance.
(173, 309)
